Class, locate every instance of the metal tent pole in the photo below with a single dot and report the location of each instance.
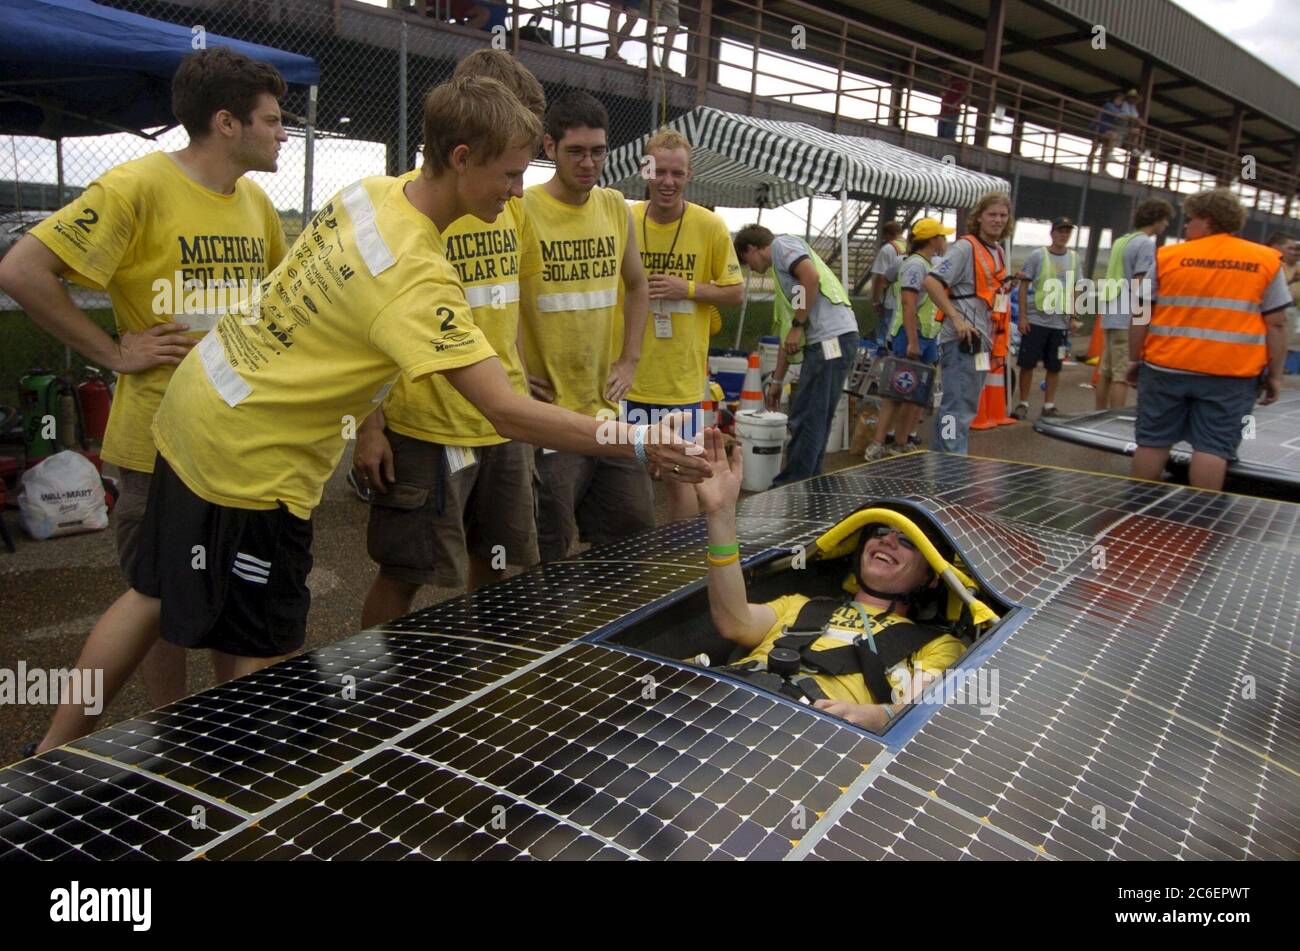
(309, 159)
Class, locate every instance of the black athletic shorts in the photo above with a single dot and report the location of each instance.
(1041, 344)
(233, 580)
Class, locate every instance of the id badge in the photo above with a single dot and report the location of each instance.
(663, 326)
(982, 361)
(831, 348)
(459, 457)
(1060, 353)
(1001, 304)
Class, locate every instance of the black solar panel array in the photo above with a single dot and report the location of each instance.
(1269, 451)
(1147, 707)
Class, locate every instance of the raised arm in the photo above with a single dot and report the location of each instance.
(486, 385)
(735, 618)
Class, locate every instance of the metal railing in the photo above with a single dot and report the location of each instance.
(804, 55)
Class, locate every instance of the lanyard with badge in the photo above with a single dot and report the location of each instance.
(660, 307)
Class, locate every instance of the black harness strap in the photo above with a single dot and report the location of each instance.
(894, 644)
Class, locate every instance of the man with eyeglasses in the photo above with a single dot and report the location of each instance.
(582, 337)
(795, 644)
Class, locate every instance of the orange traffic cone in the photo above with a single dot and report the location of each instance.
(751, 392)
(1095, 344)
(993, 400)
(708, 409)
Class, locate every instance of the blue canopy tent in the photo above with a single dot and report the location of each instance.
(72, 67)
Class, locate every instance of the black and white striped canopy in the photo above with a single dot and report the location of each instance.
(743, 162)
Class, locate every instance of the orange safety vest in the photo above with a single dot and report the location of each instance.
(990, 276)
(1208, 317)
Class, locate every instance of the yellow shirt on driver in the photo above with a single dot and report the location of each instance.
(490, 260)
(165, 249)
(935, 657)
(259, 412)
(573, 324)
(672, 370)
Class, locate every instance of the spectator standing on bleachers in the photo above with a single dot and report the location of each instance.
(969, 285)
(630, 10)
(666, 14)
(1112, 125)
(1132, 258)
(1047, 294)
(1217, 324)
(950, 108)
(884, 271)
(478, 15)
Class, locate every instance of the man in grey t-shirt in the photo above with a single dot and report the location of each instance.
(1133, 258)
(824, 326)
(1047, 295)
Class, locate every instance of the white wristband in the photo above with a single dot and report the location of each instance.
(638, 442)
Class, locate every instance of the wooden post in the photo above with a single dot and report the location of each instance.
(702, 51)
(996, 22)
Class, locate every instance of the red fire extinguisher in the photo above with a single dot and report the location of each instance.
(96, 400)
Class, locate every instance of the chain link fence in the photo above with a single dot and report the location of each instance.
(377, 61)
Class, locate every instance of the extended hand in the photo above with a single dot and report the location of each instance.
(621, 373)
(667, 287)
(164, 345)
(675, 459)
(720, 491)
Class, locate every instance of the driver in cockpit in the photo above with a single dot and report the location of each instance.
(861, 657)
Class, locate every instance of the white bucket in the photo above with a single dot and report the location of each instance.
(767, 353)
(762, 436)
(837, 439)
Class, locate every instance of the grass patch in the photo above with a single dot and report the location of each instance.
(758, 323)
(24, 346)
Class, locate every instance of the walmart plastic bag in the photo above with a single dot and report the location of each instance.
(62, 495)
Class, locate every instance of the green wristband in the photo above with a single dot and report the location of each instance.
(721, 551)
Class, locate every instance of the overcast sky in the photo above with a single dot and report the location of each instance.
(1268, 28)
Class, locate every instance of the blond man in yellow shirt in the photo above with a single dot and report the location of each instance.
(451, 499)
(175, 238)
(257, 417)
(580, 345)
(691, 262)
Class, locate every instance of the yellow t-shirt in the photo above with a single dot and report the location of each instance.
(490, 260)
(672, 369)
(573, 324)
(260, 411)
(165, 249)
(935, 657)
